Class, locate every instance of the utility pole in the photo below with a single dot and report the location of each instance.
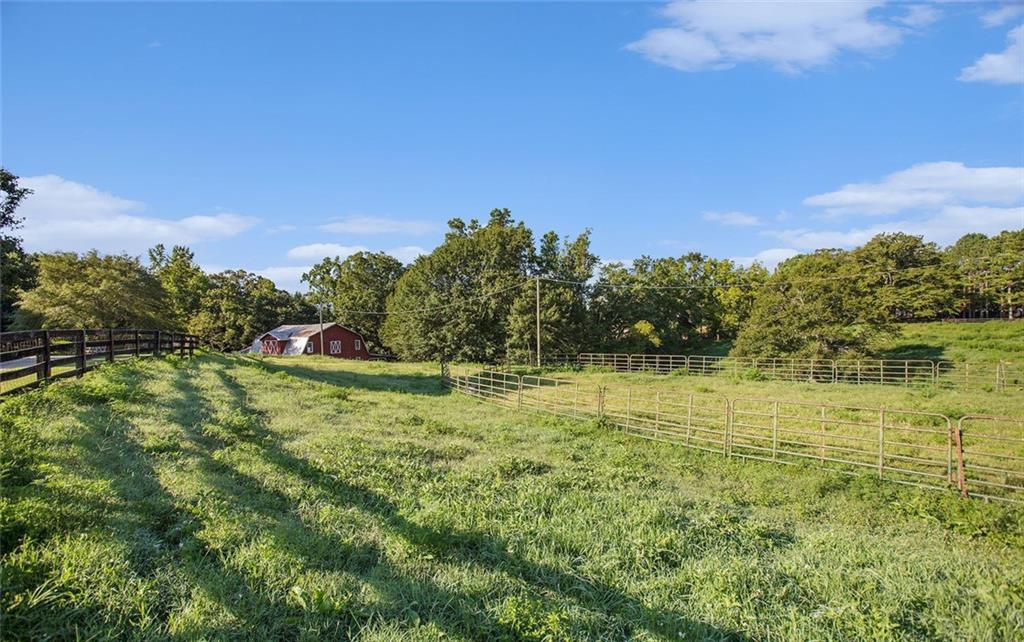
(538, 320)
(321, 323)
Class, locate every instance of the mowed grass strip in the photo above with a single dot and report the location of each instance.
(310, 498)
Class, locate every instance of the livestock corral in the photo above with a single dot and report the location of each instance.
(272, 497)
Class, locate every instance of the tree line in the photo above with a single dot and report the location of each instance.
(478, 295)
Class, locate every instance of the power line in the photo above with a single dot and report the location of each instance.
(743, 284)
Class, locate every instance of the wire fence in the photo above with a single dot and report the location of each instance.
(977, 455)
(1001, 375)
(32, 357)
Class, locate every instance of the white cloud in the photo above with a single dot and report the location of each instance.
(1002, 15)
(65, 215)
(768, 258)
(790, 36)
(375, 225)
(738, 219)
(919, 16)
(943, 227)
(407, 253)
(1006, 68)
(925, 186)
(287, 277)
(318, 251)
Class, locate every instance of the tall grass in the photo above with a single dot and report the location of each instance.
(311, 498)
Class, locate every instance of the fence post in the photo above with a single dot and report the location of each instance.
(191, 345)
(575, 400)
(519, 393)
(881, 442)
(137, 342)
(822, 453)
(156, 345)
(181, 344)
(45, 372)
(726, 449)
(689, 419)
(961, 475)
(110, 344)
(949, 449)
(775, 430)
(629, 404)
(657, 413)
(81, 354)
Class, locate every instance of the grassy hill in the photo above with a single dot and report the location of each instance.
(974, 342)
(309, 498)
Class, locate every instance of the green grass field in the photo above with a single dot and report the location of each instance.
(311, 498)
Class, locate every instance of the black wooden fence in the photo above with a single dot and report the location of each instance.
(30, 357)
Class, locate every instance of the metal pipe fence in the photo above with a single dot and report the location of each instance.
(978, 455)
(32, 357)
(1002, 375)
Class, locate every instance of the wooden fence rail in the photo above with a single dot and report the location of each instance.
(1001, 376)
(31, 357)
(977, 455)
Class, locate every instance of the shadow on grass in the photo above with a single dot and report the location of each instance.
(421, 384)
(914, 351)
(165, 536)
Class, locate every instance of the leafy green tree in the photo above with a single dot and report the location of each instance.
(683, 300)
(455, 302)
(814, 306)
(565, 269)
(239, 306)
(17, 270)
(356, 288)
(908, 276)
(182, 280)
(92, 290)
(988, 273)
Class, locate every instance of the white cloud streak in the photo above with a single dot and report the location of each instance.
(319, 251)
(1002, 15)
(368, 225)
(768, 258)
(944, 228)
(65, 215)
(925, 186)
(790, 36)
(735, 219)
(1004, 68)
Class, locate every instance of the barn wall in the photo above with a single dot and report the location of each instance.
(270, 345)
(347, 339)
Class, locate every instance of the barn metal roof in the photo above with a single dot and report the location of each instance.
(285, 332)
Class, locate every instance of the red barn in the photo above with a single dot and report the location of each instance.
(337, 341)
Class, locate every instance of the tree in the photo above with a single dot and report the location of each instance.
(182, 280)
(814, 306)
(12, 197)
(238, 306)
(566, 269)
(454, 303)
(908, 276)
(680, 300)
(988, 273)
(356, 289)
(92, 290)
(17, 270)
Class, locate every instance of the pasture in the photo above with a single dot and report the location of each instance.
(235, 498)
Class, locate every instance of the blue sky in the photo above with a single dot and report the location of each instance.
(266, 135)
